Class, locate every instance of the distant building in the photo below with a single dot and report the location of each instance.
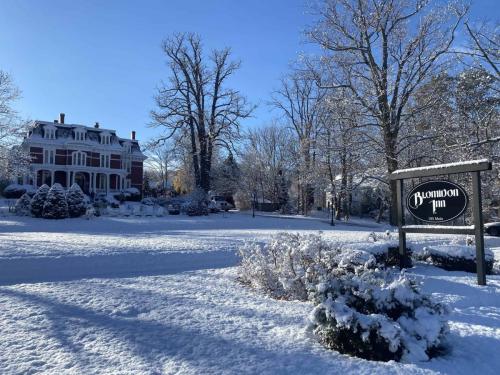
(94, 158)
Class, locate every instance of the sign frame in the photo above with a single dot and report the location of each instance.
(474, 167)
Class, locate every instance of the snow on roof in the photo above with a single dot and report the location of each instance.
(59, 125)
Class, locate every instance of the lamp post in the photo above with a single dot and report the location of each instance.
(332, 218)
(253, 203)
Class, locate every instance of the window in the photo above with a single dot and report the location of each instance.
(79, 135)
(49, 133)
(104, 161)
(127, 165)
(105, 139)
(48, 156)
(79, 158)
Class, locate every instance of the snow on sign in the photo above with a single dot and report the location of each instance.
(437, 201)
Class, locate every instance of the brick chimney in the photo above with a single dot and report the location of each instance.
(61, 118)
(133, 135)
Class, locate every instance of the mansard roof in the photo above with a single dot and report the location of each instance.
(64, 132)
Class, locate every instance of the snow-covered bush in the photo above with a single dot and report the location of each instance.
(291, 264)
(149, 201)
(15, 191)
(22, 207)
(55, 206)
(76, 201)
(197, 204)
(130, 194)
(454, 257)
(384, 247)
(377, 315)
(38, 200)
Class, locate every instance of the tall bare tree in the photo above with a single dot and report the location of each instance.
(382, 51)
(161, 160)
(196, 104)
(299, 101)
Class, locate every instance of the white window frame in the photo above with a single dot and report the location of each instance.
(49, 133)
(79, 135)
(79, 158)
(49, 156)
(104, 161)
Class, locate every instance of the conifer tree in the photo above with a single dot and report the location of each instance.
(38, 201)
(76, 201)
(56, 206)
(22, 207)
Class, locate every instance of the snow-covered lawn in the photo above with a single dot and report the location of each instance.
(149, 296)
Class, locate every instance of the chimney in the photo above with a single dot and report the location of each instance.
(133, 135)
(61, 118)
(56, 122)
(96, 125)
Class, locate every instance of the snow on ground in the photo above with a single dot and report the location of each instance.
(150, 296)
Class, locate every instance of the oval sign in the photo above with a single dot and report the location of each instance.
(437, 201)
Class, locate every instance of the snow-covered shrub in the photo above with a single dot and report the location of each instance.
(384, 247)
(38, 200)
(292, 264)
(148, 201)
(55, 206)
(377, 315)
(15, 191)
(454, 257)
(76, 201)
(22, 207)
(197, 204)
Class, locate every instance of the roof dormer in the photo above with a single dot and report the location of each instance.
(79, 134)
(105, 138)
(49, 132)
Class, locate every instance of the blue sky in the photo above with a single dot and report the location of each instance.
(101, 60)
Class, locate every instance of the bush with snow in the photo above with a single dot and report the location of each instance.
(76, 201)
(292, 264)
(377, 315)
(15, 191)
(22, 207)
(455, 257)
(55, 206)
(197, 203)
(360, 309)
(38, 200)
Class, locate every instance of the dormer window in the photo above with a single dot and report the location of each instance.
(49, 133)
(105, 139)
(79, 135)
(79, 158)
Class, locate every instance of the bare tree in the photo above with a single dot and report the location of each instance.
(13, 159)
(161, 160)
(485, 45)
(382, 51)
(195, 103)
(267, 151)
(299, 101)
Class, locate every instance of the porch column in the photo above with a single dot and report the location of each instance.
(108, 183)
(67, 179)
(52, 174)
(35, 178)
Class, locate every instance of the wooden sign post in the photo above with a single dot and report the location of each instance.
(474, 167)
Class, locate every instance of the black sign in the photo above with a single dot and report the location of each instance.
(437, 201)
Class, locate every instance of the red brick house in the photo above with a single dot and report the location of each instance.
(95, 158)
